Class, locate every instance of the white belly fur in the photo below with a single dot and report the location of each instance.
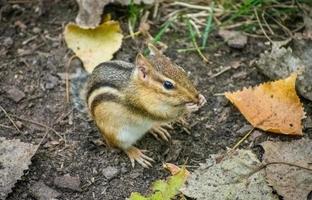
(131, 132)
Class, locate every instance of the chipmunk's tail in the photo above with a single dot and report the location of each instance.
(77, 83)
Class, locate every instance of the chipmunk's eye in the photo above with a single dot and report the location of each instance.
(168, 85)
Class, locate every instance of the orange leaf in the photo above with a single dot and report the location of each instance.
(272, 106)
(173, 169)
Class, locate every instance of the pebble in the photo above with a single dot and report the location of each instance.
(41, 191)
(36, 30)
(15, 94)
(68, 182)
(234, 39)
(8, 42)
(50, 82)
(110, 172)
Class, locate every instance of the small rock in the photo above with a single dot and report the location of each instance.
(50, 81)
(15, 94)
(19, 124)
(36, 30)
(308, 123)
(110, 172)
(68, 182)
(284, 60)
(8, 42)
(255, 134)
(41, 191)
(234, 39)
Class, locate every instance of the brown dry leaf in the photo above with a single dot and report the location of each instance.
(272, 106)
(289, 181)
(94, 46)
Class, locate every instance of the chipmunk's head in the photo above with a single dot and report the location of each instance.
(164, 87)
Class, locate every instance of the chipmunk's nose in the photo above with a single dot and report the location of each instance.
(195, 99)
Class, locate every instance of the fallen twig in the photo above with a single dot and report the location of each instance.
(8, 116)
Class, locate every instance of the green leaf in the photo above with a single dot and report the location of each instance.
(164, 190)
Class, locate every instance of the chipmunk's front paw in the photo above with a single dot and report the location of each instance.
(161, 131)
(202, 100)
(193, 107)
(136, 154)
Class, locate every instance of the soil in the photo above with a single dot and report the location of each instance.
(33, 58)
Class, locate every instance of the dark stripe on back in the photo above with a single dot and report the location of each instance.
(104, 97)
(115, 65)
(99, 85)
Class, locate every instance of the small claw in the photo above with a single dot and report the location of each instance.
(167, 126)
(159, 130)
(136, 154)
(155, 135)
(132, 162)
(191, 107)
(148, 158)
(182, 121)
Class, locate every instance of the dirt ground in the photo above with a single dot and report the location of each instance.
(33, 56)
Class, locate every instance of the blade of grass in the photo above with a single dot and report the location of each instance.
(208, 26)
(162, 30)
(192, 34)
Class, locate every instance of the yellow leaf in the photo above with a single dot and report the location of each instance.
(272, 106)
(94, 46)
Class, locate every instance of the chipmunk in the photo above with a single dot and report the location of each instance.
(128, 100)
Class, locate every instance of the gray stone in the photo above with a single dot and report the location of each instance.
(41, 191)
(68, 182)
(281, 62)
(15, 94)
(8, 42)
(234, 39)
(50, 82)
(110, 172)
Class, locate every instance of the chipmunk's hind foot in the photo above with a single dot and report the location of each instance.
(136, 154)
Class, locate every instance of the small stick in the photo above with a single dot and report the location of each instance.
(8, 116)
(194, 41)
(67, 76)
(218, 94)
(221, 72)
(266, 23)
(276, 163)
(256, 13)
(5, 126)
(196, 28)
(243, 139)
(45, 135)
(189, 49)
(196, 6)
(156, 9)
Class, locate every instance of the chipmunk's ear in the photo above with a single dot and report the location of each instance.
(154, 51)
(143, 66)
